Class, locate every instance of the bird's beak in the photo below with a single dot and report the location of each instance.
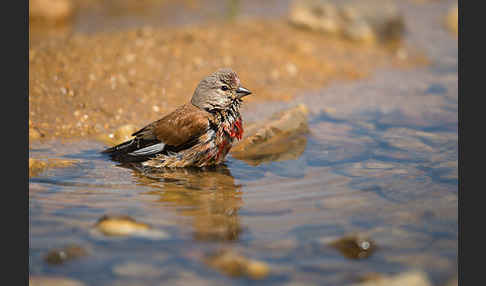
(241, 92)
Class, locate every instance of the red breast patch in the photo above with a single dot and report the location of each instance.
(237, 130)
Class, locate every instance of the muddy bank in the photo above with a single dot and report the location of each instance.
(89, 84)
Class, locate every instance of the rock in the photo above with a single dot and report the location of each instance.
(54, 11)
(412, 278)
(281, 137)
(60, 256)
(122, 225)
(53, 281)
(36, 166)
(354, 247)
(235, 265)
(122, 134)
(452, 19)
(364, 21)
(119, 225)
(257, 269)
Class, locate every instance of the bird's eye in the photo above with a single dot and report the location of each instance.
(224, 87)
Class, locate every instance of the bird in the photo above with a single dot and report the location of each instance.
(199, 133)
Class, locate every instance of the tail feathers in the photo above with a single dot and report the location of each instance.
(134, 150)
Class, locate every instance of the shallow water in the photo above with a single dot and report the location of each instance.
(404, 198)
(380, 161)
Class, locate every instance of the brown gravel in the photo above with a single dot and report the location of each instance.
(84, 85)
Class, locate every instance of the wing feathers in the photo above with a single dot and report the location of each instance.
(176, 131)
(150, 150)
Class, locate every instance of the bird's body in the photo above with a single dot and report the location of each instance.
(197, 134)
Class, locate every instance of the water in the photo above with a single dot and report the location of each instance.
(380, 161)
(278, 212)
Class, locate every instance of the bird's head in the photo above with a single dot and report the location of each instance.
(219, 90)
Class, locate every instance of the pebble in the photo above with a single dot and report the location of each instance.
(53, 281)
(119, 225)
(412, 278)
(360, 31)
(236, 265)
(122, 225)
(291, 69)
(353, 246)
(60, 256)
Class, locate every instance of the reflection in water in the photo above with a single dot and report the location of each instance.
(210, 196)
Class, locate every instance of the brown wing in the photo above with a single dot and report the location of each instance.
(176, 131)
(177, 128)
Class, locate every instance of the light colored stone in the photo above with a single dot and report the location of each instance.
(363, 21)
(53, 281)
(279, 138)
(412, 278)
(120, 225)
(235, 265)
(123, 226)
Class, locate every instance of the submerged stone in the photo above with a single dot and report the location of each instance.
(412, 278)
(62, 255)
(53, 281)
(122, 225)
(354, 247)
(279, 138)
(236, 265)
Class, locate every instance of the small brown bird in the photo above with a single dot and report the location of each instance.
(199, 133)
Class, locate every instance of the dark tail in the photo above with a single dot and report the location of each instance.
(121, 152)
